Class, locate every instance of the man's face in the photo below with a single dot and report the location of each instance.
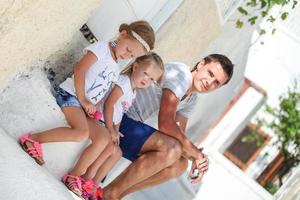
(209, 76)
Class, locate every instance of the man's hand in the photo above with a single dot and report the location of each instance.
(201, 166)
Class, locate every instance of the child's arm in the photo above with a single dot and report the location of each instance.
(79, 81)
(117, 126)
(113, 97)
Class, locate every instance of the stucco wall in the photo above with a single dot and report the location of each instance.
(32, 30)
(188, 31)
(45, 34)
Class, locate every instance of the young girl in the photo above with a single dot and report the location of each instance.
(142, 73)
(78, 96)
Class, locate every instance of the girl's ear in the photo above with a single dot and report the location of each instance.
(134, 66)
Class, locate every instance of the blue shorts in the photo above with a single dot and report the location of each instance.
(135, 134)
(63, 99)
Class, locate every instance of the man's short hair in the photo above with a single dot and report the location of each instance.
(223, 60)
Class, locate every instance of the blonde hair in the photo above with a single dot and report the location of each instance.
(142, 29)
(146, 59)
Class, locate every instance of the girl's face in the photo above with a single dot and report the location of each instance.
(128, 47)
(144, 75)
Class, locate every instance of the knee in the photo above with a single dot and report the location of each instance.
(109, 149)
(179, 167)
(101, 140)
(117, 152)
(81, 135)
(173, 151)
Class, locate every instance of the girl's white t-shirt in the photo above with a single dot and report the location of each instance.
(99, 77)
(177, 78)
(124, 102)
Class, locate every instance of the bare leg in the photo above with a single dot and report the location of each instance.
(78, 132)
(102, 158)
(100, 138)
(159, 152)
(108, 165)
(164, 175)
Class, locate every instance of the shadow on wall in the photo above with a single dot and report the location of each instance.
(60, 65)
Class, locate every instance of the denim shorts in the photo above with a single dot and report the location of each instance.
(63, 99)
(135, 133)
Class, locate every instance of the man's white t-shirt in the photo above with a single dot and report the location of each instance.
(100, 75)
(124, 102)
(178, 78)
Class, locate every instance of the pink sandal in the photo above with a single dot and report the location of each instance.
(92, 190)
(99, 193)
(74, 184)
(35, 151)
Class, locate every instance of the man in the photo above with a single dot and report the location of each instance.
(160, 155)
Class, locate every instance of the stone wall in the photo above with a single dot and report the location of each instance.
(33, 30)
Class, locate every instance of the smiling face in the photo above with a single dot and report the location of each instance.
(128, 47)
(144, 75)
(208, 77)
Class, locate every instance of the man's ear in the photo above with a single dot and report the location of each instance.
(201, 64)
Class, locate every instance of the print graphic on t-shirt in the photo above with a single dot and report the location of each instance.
(125, 106)
(101, 84)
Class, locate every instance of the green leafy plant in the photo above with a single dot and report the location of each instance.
(256, 9)
(286, 125)
(255, 138)
(271, 187)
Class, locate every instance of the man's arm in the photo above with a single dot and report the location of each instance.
(181, 121)
(200, 165)
(167, 123)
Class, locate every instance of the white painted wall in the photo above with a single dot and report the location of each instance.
(272, 66)
(224, 179)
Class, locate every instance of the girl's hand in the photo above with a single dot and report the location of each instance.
(99, 104)
(115, 135)
(88, 107)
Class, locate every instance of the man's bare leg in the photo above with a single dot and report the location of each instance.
(159, 152)
(164, 175)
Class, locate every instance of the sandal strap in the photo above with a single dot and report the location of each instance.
(89, 186)
(35, 150)
(99, 192)
(32, 152)
(72, 182)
